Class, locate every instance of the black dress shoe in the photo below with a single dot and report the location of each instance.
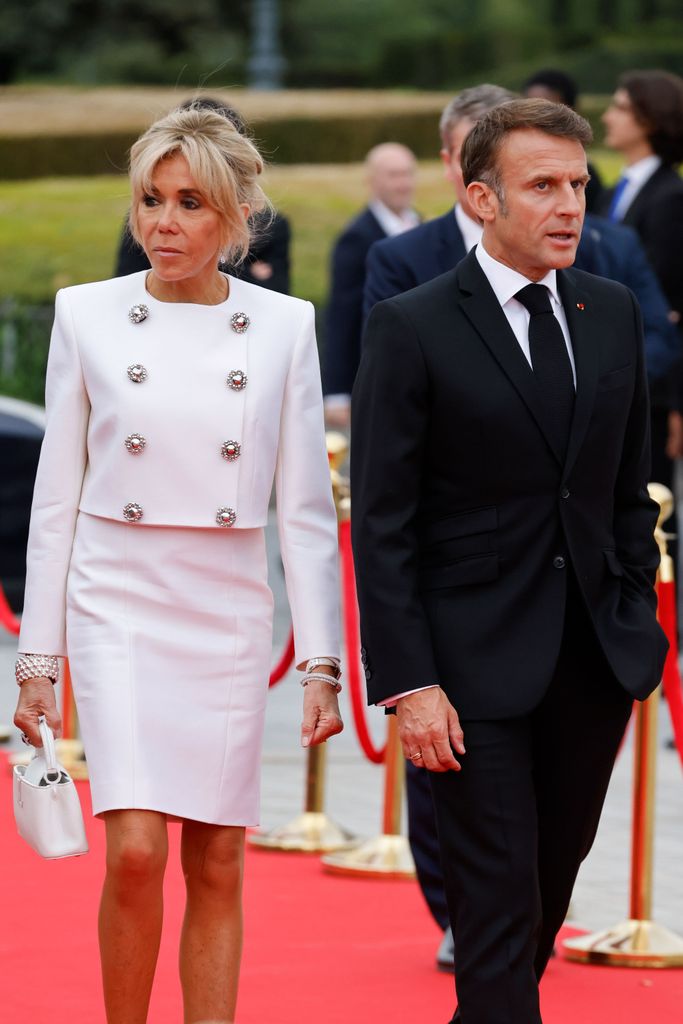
(445, 953)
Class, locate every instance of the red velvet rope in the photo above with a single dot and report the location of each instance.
(7, 617)
(671, 680)
(284, 664)
(352, 638)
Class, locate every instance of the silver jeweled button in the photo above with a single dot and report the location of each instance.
(135, 443)
(138, 313)
(239, 322)
(132, 512)
(231, 450)
(226, 516)
(137, 373)
(237, 380)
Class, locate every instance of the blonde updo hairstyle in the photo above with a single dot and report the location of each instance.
(224, 163)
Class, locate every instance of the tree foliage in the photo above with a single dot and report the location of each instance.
(436, 43)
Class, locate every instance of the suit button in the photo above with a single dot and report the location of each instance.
(135, 443)
(368, 674)
(237, 380)
(230, 450)
(564, 493)
(559, 562)
(132, 512)
(226, 517)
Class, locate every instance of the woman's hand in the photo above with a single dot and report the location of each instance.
(37, 697)
(321, 713)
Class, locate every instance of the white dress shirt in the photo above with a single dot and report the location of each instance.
(506, 282)
(636, 175)
(390, 222)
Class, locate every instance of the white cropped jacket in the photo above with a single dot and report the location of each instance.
(169, 380)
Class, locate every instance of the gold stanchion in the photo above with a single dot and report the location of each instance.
(388, 855)
(639, 941)
(312, 831)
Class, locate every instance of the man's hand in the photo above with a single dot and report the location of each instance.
(321, 713)
(674, 441)
(37, 697)
(428, 724)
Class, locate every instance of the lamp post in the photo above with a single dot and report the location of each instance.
(266, 63)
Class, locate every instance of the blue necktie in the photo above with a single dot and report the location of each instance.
(616, 196)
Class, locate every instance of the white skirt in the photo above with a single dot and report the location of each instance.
(169, 638)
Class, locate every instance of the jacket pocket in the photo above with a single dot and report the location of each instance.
(615, 378)
(460, 524)
(613, 563)
(466, 571)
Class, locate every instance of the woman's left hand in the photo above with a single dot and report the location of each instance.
(321, 713)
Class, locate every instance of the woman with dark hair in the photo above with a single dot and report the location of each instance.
(644, 122)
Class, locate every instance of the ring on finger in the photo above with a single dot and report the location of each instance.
(416, 756)
(26, 740)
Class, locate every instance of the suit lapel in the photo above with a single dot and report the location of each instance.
(482, 309)
(585, 346)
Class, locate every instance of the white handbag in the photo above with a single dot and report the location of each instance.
(46, 805)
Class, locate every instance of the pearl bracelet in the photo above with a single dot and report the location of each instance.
(333, 663)
(323, 678)
(34, 666)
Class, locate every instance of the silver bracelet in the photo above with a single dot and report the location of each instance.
(33, 666)
(334, 663)
(323, 678)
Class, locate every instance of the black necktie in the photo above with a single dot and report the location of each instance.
(550, 360)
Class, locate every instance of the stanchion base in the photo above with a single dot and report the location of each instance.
(70, 755)
(628, 944)
(310, 832)
(387, 856)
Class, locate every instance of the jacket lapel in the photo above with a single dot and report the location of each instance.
(585, 345)
(482, 309)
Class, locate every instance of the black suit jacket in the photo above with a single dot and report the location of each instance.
(344, 315)
(466, 520)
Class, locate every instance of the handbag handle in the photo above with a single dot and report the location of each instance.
(53, 771)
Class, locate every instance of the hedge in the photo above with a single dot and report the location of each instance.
(293, 140)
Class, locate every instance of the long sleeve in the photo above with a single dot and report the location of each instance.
(57, 492)
(307, 523)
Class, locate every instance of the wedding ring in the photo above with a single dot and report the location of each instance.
(416, 756)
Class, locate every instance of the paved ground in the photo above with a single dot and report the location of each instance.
(354, 791)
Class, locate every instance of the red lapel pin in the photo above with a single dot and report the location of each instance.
(580, 305)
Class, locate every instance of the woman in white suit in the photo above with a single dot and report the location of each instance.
(175, 398)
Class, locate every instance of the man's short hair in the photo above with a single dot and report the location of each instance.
(657, 101)
(479, 156)
(471, 104)
(559, 81)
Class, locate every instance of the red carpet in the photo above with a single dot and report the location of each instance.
(318, 948)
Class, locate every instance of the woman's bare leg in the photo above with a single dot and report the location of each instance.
(131, 911)
(211, 944)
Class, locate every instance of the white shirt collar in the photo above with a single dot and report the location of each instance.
(470, 230)
(639, 172)
(506, 282)
(392, 223)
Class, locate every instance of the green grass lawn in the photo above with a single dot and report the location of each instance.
(60, 231)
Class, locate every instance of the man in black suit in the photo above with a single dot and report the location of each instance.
(644, 122)
(503, 540)
(391, 175)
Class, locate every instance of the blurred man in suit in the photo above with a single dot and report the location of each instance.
(644, 122)
(559, 87)
(503, 539)
(391, 171)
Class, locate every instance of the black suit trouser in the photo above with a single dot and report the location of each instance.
(516, 822)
